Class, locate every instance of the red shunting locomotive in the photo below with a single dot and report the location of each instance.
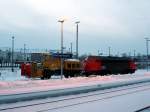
(108, 65)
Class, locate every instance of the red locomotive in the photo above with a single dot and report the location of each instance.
(108, 65)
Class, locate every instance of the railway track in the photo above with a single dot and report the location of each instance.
(145, 109)
(54, 104)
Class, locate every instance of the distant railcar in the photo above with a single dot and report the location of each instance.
(72, 67)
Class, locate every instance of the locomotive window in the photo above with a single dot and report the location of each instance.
(69, 65)
(39, 65)
(77, 65)
(73, 65)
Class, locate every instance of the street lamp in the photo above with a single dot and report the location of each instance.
(147, 39)
(77, 38)
(12, 57)
(71, 47)
(61, 21)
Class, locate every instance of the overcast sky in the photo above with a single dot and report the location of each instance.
(120, 24)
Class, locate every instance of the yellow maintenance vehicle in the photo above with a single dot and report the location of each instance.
(51, 65)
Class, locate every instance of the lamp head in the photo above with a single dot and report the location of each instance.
(61, 21)
(77, 22)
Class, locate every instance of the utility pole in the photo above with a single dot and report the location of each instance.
(100, 53)
(61, 21)
(134, 53)
(24, 53)
(77, 38)
(12, 57)
(109, 50)
(129, 54)
(147, 39)
(118, 53)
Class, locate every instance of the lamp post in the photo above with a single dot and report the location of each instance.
(61, 21)
(12, 57)
(147, 39)
(77, 38)
(71, 47)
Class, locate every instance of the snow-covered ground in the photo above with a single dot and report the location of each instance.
(14, 83)
(123, 99)
(7, 75)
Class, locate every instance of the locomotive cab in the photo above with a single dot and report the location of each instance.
(91, 66)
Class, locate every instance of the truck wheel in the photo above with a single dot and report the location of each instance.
(87, 75)
(48, 76)
(66, 76)
(72, 75)
(42, 78)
